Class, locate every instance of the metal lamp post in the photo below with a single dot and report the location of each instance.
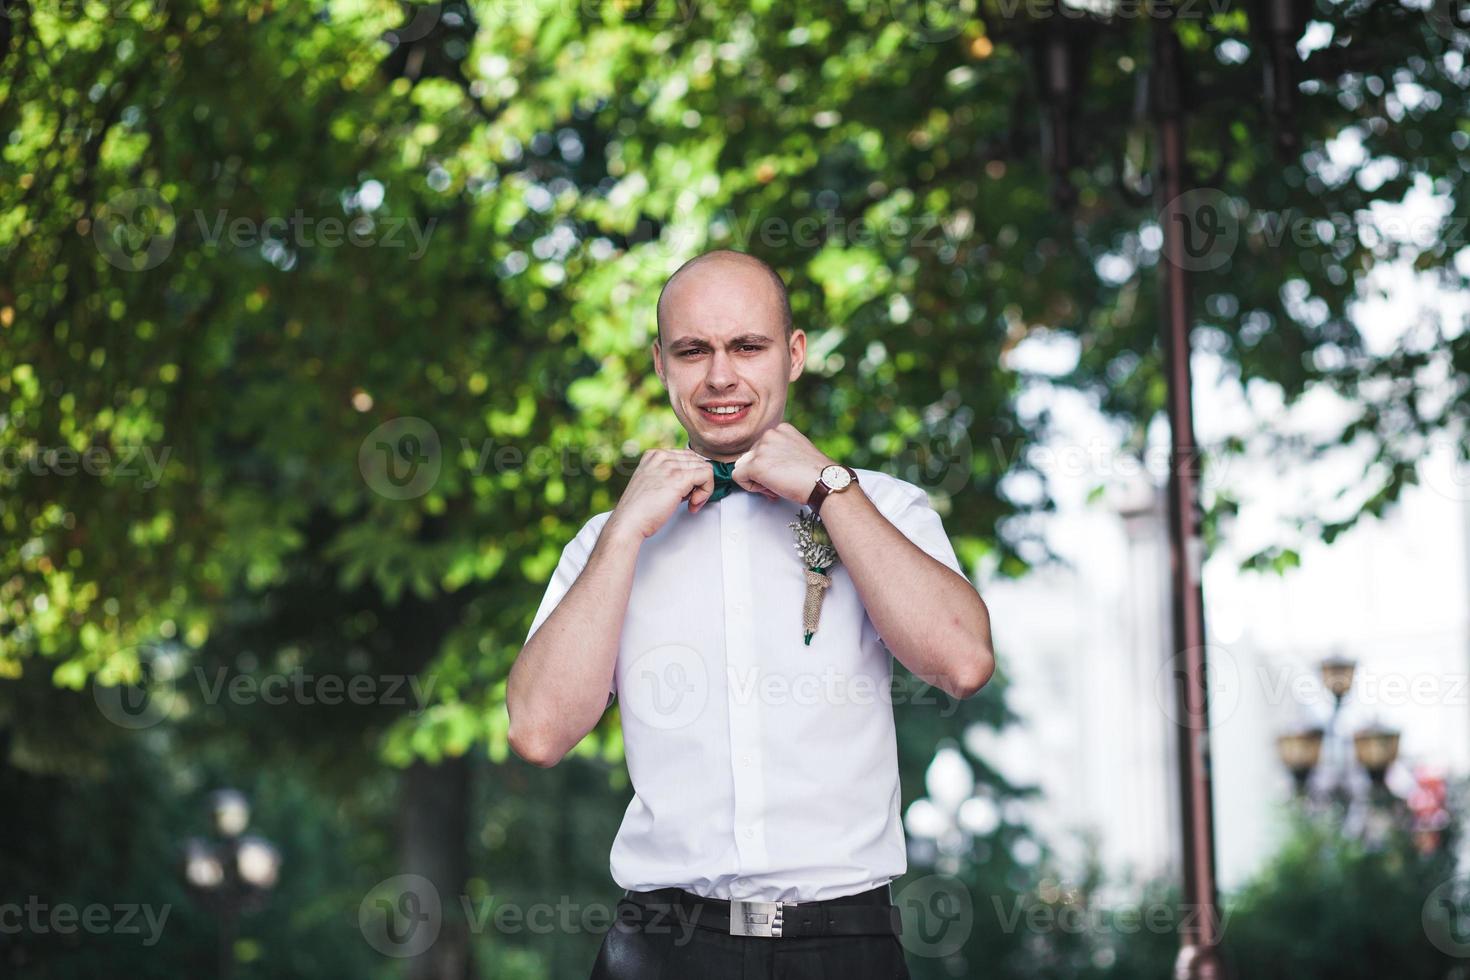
(1337, 674)
(1059, 60)
(1199, 954)
(230, 875)
(1277, 24)
(1058, 48)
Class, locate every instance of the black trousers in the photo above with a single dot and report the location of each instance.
(657, 944)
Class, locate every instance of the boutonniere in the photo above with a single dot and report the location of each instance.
(814, 547)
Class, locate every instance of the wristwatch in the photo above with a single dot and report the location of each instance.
(832, 479)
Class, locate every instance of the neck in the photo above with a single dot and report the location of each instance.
(721, 457)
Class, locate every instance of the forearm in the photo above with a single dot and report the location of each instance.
(558, 686)
(930, 618)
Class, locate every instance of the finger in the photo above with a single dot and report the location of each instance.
(758, 488)
(701, 486)
(746, 483)
(740, 472)
(743, 478)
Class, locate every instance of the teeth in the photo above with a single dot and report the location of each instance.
(725, 411)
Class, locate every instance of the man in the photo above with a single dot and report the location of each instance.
(764, 829)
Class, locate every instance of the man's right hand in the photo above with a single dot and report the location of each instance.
(664, 477)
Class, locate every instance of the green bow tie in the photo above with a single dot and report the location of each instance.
(724, 482)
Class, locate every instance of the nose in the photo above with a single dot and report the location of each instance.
(721, 371)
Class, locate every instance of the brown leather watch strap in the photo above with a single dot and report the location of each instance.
(820, 491)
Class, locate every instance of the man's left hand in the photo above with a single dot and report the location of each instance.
(783, 464)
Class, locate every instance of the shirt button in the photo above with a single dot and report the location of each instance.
(749, 831)
(745, 760)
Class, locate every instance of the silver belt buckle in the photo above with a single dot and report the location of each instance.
(756, 918)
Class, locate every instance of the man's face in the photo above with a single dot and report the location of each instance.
(724, 344)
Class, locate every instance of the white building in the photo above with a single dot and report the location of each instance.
(1085, 646)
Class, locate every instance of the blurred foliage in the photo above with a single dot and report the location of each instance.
(109, 831)
(1326, 904)
(519, 179)
(69, 842)
(1330, 905)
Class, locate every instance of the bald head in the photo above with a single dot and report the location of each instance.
(722, 263)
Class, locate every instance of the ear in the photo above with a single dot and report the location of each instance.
(798, 353)
(658, 362)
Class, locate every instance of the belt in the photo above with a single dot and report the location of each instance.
(869, 913)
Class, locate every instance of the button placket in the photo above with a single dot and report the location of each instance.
(746, 755)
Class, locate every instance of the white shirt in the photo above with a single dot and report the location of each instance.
(762, 768)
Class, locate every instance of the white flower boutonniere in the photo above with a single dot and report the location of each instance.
(814, 547)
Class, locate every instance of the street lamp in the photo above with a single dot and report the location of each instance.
(230, 875)
(943, 824)
(1059, 60)
(1337, 672)
(229, 812)
(1300, 752)
(1277, 24)
(1376, 748)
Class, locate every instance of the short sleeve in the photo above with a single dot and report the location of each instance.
(573, 559)
(907, 508)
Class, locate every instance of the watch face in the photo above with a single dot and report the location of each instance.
(836, 477)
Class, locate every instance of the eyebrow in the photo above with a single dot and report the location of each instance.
(745, 338)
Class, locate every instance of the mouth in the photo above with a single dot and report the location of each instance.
(724, 414)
